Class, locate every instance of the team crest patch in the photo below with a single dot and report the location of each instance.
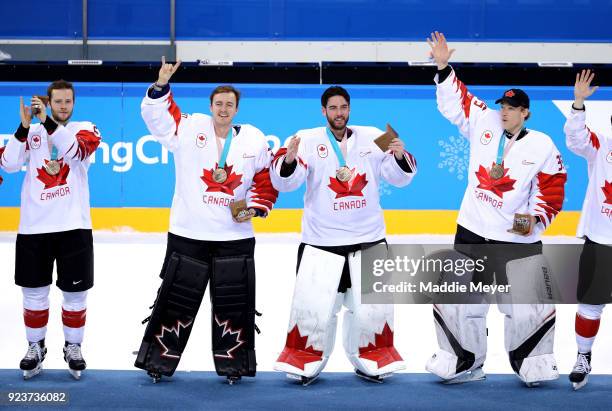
(35, 142)
(486, 137)
(322, 150)
(201, 140)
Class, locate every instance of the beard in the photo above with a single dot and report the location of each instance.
(58, 116)
(333, 126)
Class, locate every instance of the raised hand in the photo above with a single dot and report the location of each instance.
(25, 113)
(582, 88)
(292, 149)
(397, 148)
(166, 71)
(439, 49)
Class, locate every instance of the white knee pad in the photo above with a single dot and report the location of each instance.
(36, 298)
(529, 339)
(74, 301)
(531, 281)
(589, 311)
(462, 337)
(312, 323)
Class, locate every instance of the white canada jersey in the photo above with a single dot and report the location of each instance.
(534, 176)
(596, 218)
(201, 206)
(60, 202)
(337, 213)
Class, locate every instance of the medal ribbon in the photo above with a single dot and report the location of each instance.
(226, 147)
(502, 151)
(336, 147)
(52, 149)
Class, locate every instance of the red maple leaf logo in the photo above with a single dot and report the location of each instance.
(228, 339)
(296, 353)
(352, 187)
(228, 186)
(509, 93)
(499, 186)
(382, 351)
(53, 181)
(607, 189)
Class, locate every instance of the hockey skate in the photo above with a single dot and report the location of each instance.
(305, 381)
(379, 379)
(231, 380)
(476, 374)
(155, 376)
(31, 364)
(74, 358)
(580, 373)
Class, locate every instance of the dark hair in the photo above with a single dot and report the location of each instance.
(528, 115)
(334, 91)
(60, 85)
(225, 89)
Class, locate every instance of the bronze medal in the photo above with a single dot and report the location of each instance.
(243, 214)
(219, 175)
(521, 223)
(52, 167)
(344, 174)
(497, 171)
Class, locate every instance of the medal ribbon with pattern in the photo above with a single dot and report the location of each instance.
(497, 171)
(53, 166)
(220, 175)
(343, 173)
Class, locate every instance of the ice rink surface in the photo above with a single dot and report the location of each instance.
(127, 266)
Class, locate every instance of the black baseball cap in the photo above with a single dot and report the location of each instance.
(515, 97)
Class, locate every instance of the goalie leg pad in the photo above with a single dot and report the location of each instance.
(531, 281)
(312, 322)
(462, 338)
(174, 312)
(368, 329)
(232, 289)
(529, 339)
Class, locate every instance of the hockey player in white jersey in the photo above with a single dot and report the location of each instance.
(342, 168)
(595, 281)
(512, 170)
(55, 222)
(222, 182)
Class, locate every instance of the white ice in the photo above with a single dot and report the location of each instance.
(126, 280)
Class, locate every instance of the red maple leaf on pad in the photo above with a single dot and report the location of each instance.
(607, 189)
(352, 187)
(228, 186)
(382, 351)
(499, 186)
(296, 353)
(53, 181)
